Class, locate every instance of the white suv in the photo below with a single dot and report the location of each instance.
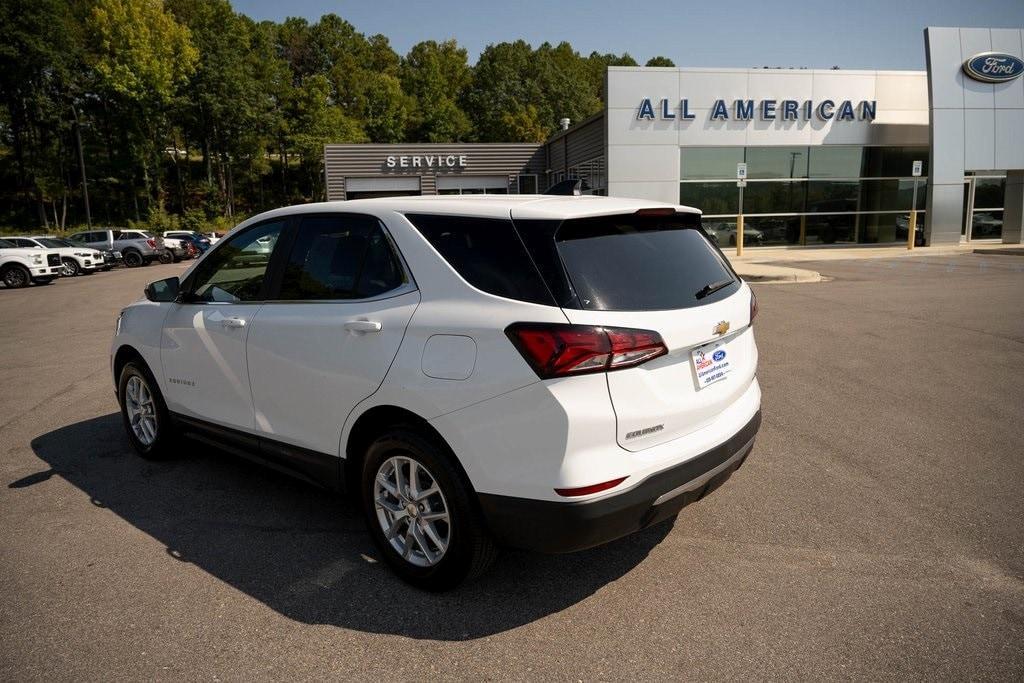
(542, 372)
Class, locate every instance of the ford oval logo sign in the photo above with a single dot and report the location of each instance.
(994, 67)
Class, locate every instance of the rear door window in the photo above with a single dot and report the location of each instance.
(634, 262)
(487, 253)
(343, 256)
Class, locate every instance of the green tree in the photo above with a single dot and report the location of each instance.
(660, 61)
(316, 121)
(597, 67)
(562, 79)
(140, 55)
(387, 110)
(40, 64)
(504, 85)
(437, 75)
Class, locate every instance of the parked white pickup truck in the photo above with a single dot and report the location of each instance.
(20, 266)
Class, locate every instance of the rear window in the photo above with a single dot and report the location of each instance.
(632, 263)
(487, 253)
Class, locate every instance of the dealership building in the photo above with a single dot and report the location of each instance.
(829, 156)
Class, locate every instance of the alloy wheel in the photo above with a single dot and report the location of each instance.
(15, 277)
(69, 267)
(412, 511)
(141, 409)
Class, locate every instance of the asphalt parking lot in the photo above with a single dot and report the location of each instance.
(876, 531)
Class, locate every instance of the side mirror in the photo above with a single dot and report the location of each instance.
(163, 291)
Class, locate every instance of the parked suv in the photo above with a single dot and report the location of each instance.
(200, 241)
(76, 259)
(548, 373)
(137, 247)
(20, 266)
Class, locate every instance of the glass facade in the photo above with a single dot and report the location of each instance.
(987, 207)
(807, 195)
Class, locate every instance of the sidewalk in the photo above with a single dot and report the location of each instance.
(757, 263)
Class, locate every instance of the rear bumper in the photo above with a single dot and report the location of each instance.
(556, 527)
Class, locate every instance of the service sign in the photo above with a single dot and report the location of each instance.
(994, 67)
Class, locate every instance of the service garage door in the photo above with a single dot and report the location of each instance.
(470, 184)
(366, 188)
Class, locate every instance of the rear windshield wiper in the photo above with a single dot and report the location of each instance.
(712, 288)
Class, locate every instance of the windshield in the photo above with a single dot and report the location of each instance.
(54, 243)
(4, 244)
(642, 263)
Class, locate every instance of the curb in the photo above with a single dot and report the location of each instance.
(761, 274)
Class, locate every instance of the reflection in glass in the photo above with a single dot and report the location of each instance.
(776, 162)
(889, 195)
(893, 162)
(831, 229)
(780, 197)
(836, 162)
(711, 198)
(986, 225)
(774, 230)
(706, 163)
(989, 193)
(825, 196)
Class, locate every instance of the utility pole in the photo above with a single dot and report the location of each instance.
(81, 166)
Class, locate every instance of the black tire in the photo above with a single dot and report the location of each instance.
(71, 267)
(167, 257)
(161, 446)
(15, 276)
(132, 258)
(470, 550)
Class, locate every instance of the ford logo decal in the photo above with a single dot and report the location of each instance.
(994, 67)
(718, 355)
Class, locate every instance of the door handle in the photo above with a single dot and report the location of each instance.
(233, 322)
(363, 326)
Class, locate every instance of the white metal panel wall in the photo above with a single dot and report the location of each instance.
(975, 126)
(643, 155)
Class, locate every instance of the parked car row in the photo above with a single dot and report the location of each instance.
(40, 259)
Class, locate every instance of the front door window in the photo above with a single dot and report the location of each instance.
(235, 271)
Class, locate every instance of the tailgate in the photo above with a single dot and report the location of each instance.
(654, 269)
(665, 399)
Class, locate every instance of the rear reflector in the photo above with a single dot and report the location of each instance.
(559, 350)
(593, 488)
(753, 306)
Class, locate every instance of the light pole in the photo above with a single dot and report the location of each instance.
(81, 166)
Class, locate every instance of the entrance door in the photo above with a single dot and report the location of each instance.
(965, 222)
(327, 339)
(203, 346)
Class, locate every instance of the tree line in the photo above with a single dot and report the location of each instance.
(185, 112)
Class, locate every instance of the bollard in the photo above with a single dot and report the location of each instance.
(739, 235)
(911, 229)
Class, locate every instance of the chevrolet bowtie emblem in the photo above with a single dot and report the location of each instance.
(721, 328)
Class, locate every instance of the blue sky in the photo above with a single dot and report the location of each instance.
(852, 34)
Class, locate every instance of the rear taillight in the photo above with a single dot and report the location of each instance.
(753, 306)
(151, 243)
(559, 350)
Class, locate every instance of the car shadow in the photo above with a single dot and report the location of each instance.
(305, 552)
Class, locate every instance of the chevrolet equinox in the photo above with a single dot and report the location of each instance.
(541, 372)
